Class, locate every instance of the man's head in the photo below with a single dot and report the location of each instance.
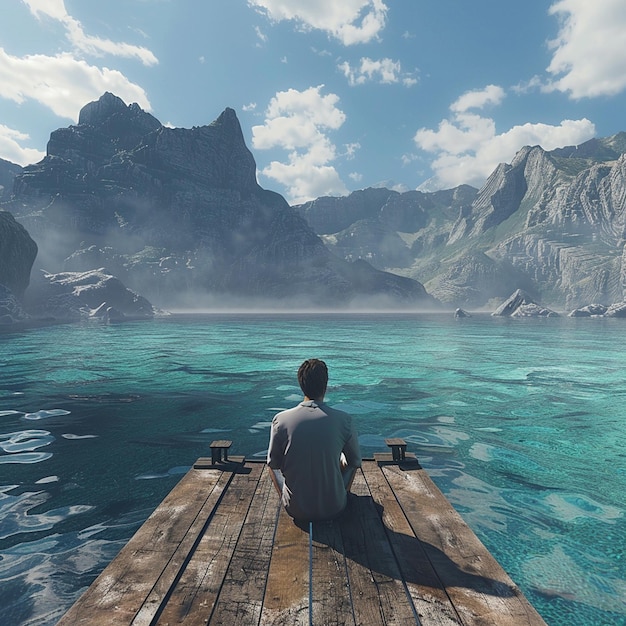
(313, 378)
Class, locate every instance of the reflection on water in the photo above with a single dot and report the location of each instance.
(521, 423)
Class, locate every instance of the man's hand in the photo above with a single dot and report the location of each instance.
(343, 462)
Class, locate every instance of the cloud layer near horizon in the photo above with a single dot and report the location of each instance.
(468, 148)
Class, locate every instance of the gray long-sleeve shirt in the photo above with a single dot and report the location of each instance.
(306, 443)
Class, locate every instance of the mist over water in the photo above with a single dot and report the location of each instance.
(521, 423)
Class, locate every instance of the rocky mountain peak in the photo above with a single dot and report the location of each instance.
(228, 116)
(215, 155)
(525, 179)
(111, 112)
(95, 112)
(598, 149)
(106, 128)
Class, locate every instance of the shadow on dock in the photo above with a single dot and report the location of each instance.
(392, 554)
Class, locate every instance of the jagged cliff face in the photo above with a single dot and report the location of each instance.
(17, 254)
(551, 223)
(573, 240)
(177, 215)
(8, 171)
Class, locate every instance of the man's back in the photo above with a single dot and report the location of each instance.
(305, 444)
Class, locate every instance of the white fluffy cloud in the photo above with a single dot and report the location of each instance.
(385, 71)
(589, 57)
(477, 99)
(468, 148)
(62, 83)
(95, 46)
(11, 147)
(298, 122)
(349, 21)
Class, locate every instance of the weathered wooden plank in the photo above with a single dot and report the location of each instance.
(241, 598)
(166, 582)
(480, 589)
(378, 593)
(286, 601)
(191, 602)
(330, 589)
(429, 597)
(119, 592)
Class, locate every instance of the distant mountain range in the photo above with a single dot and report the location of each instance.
(177, 214)
(552, 223)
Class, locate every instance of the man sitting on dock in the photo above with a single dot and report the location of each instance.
(313, 451)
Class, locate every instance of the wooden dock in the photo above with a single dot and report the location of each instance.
(220, 549)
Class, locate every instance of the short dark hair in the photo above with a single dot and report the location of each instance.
(313, 378)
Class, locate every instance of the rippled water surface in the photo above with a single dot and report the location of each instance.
(522, 424)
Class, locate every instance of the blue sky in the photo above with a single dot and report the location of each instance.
(331, 96)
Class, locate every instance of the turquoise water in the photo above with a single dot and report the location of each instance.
(521, 423)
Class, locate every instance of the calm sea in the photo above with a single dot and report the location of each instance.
(521, 423)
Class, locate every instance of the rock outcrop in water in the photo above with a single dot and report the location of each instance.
(520, 304)
(177, 214)
(553, 223)
(617, 309)
(590, 310)
(72, 296)
(11, 310)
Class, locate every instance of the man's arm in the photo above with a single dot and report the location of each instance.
(348, 475)
(352, 451)
(277, 479)
(275, 458)
(275, 448)
(352, 457)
